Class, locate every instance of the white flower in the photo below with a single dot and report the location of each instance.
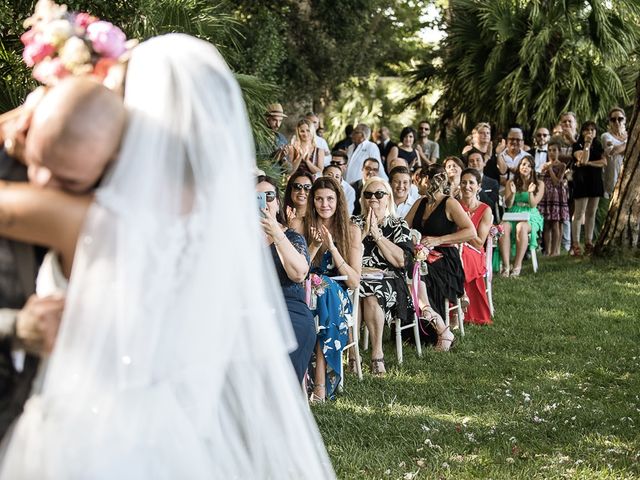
(75, 53)
(57, 32)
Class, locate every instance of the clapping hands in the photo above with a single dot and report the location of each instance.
(371, 225)
(532, 187)
(321, 236)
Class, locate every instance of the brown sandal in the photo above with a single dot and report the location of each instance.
(377, 367)
(445, 343)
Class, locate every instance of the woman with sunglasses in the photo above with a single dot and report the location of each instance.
(296, 195)
(521, 195)
(388, 249)
(443, 224)
(473, 253)
(588, 186)
(335, 250)
(614, 142)
(291, 259)
(305, 155)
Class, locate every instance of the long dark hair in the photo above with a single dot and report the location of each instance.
(289, 188)
(519, 181)
(280, 217)
(341, 222)
(589, 124)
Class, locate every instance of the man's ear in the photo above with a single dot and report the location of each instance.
(39, 175)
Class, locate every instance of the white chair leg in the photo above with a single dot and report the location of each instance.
(398, 323)
(490, 297)
(460, 318)
(534, 260)
(446, 312)
(365, 340)
(416, 335)
(356, 346)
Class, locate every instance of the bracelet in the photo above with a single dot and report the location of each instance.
(275, 244)
(378, 239)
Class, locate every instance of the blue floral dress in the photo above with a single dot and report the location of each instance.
(331, 314)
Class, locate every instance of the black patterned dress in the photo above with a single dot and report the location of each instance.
(392, 291)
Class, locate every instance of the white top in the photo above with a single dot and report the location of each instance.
(540, 158)
(614, 162)
(322, 144)
(350, 194)
(357, 155)
(512, 162)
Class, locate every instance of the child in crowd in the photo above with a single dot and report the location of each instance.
(554, 205)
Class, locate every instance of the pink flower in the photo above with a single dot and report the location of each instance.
(83, 20)
(27, 37)
(49, 71)
(107, 39)
(36, 51)
(315, 280)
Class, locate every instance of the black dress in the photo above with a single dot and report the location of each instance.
(301, 319)
(410, 157)
(587, 181)
(445, 276)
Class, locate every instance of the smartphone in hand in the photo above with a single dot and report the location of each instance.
(262, 202)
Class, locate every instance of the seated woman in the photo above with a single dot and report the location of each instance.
(296, 194)
(521, 195)
(443, 224)
(291, 258)
(335, 250)
(473, 253)
(387, 248)
(453, 166)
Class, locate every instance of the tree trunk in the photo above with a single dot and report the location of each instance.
(621, 227)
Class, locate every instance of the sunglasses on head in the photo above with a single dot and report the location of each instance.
(617, 119)
(302, 186)
(379, 194)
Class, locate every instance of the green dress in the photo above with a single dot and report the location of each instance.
(521, 205)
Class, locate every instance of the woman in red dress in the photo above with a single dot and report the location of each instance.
(473, 254)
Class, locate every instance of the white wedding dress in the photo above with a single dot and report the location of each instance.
(171, 361)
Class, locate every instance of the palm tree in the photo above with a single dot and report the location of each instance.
(526, 61)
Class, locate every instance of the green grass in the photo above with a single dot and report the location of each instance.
(551, 390)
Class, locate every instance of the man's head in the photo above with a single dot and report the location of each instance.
(515, 141)
(274, 116)
(339, 159)
(398, 162)
(361, 133)
(370, 168)
(384, 134)
(542, 136)
(75, 132)
(476, 161)
(334, 172)
(423, 130)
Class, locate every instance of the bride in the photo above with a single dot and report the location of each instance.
(171, 360)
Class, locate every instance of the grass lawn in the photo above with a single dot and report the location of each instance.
(551, 390)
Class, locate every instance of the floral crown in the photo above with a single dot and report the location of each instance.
(61, 43)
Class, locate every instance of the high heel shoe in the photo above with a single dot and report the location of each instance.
(313, 398)
(445, 342)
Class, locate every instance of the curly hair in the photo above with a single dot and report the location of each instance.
(520, 182)
(341, 223)
(438, 182)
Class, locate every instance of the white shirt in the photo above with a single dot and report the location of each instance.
(357, 155)
(322, 144)
(541, 158)
(512, 162)
(403, 208)
(350, 195)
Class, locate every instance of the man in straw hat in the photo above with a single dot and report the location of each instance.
(274, 115)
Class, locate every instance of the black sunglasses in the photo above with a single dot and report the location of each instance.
(270, 196)
(379, 194)
(617, 119)
(542, 134)
(302, 186)
(336, 164)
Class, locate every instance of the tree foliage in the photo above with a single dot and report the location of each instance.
(521, 61)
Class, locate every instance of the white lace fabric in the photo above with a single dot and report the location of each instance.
(172, 361)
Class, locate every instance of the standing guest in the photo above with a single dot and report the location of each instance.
(385, 144)
(339, 159)
(343, 144)
(406, 148)
(274, 116)
(429, 148)
(361, 149)
(588, 186)
(554, 205)
(509, 160)
(480, 141)
(306, 156)
(489, 188)
(370, 168)
(291, 259)
(335, 172)
(403, 194)
(296, 196)
(387, 248)
(473, 252)
(522, 195)
(453, 166)
(335, 250)
(443, 224)
(539, 153)
(614, 142)
(320, 142)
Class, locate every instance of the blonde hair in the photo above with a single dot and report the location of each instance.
(391, 208)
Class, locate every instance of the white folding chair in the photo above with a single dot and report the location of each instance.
(457, 306)
(523, 217)
(488, 277)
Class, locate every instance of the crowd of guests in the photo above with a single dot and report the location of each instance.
(409, 231)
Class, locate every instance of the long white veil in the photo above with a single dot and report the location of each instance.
(172, 362)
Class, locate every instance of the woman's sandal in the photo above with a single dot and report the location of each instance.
(504, 272)
(313, 398)
(445, 343)
(516, 272)
(377, 367)
(353, 365)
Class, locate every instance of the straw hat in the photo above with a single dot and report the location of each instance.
(275, 110)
